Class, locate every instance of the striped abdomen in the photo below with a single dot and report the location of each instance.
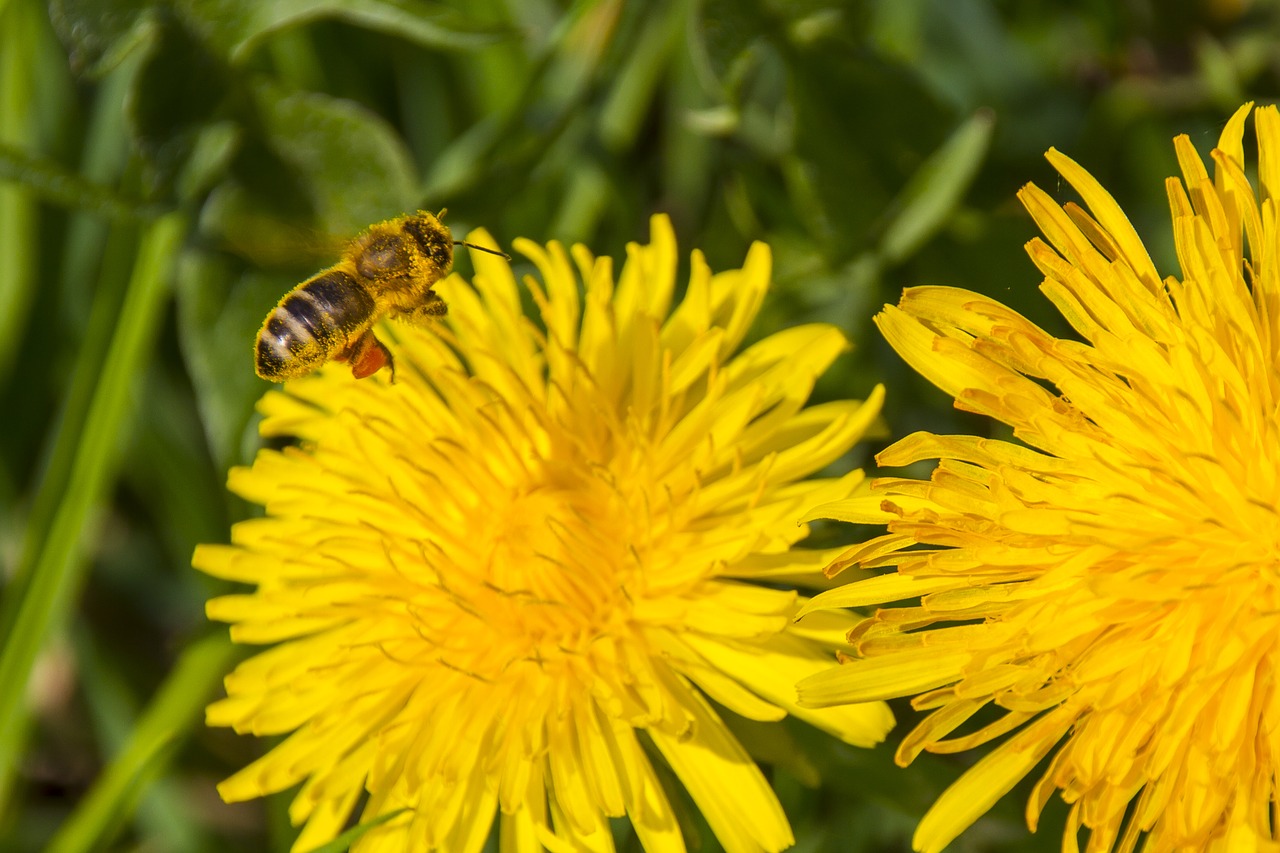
(314, 322)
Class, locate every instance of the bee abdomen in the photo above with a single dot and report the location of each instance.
(312, 323)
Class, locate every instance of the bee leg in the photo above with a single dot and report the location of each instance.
(368, 355)
(432, 308)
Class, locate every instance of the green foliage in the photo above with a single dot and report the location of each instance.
(168, 169)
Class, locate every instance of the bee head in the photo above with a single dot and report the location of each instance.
(432, 238)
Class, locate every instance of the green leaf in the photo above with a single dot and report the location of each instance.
(57, 184)
(351, 165)
(726, 31)
(937, 187)
(854, 158)
(211, 154)
(99, 34)
(236, 27)
(179, 88)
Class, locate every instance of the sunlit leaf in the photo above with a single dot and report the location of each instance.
(236, 27)
(352, 166)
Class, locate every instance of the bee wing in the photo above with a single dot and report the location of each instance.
(269, 241)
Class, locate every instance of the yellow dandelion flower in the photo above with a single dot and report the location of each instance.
(1108, 594)
(517, 579)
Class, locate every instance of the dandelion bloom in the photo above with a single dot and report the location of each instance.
(513, 581)
(1106, 594)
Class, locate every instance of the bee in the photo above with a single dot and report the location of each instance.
(388, 271)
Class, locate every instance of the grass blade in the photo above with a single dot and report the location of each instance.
(58, 565)
(937, 188)
(174, 711)
(17, 204)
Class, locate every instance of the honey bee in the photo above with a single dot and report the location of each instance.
(388, 271)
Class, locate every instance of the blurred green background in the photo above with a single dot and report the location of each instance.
(165, 169)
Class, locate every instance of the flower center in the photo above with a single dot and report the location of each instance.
(553, 568)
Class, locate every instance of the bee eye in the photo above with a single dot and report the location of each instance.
(382, 258)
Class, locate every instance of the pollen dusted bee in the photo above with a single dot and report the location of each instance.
(388, 271)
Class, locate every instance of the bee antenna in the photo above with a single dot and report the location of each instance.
(481, 249)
